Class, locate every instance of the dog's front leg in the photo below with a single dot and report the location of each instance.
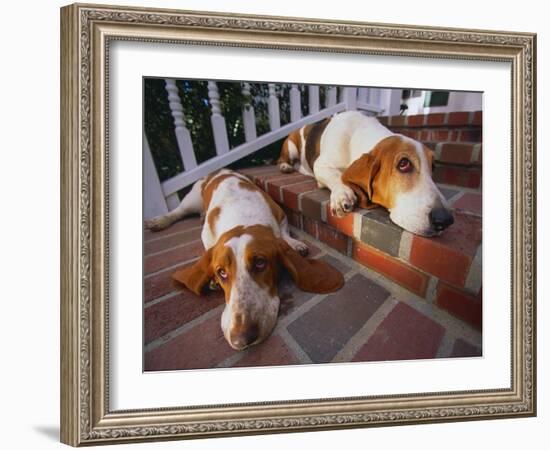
(342, 197)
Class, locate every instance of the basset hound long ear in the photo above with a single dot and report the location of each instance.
(195, 277)
(310, 275)
(360, 176)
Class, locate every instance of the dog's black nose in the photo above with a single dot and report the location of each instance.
(441, 218)
(246, 337)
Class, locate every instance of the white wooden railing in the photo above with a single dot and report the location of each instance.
(162, 197)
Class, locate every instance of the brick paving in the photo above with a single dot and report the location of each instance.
(370, 319)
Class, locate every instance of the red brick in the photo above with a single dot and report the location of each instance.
(460, 304)
(384, 120)
(449, 256)
(293, 217)
(470, 202)
(401, 273)
(291, 193)
(398, 121)
(262, 179)
(458, 118)
(160, 284)
(434, 135)
(467, 177)
(311, 203)
(171, 257)
(404, 334)
(453, 135)
(173, 312)
(416, 120)
(202, 347)
(436, 119)
(274, 184)
(182, 225)
(470, 135)
(454, 153)
(272, 352)
(474, 180)
(173, 240)
(414, 134)
(478, 115)
(333, 238)
(343, 224)
(259, 170)
(310, 226)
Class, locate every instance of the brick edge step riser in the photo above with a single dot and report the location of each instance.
(355, 237)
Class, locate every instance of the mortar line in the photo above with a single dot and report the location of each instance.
(149, 275)
(291, 343)
(182, 329)
(164, 236)
(445, 346)
(160, 252)
(366, 331)
(160, 299)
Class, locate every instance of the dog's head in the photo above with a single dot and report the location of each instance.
(246, 262)
(397, 174)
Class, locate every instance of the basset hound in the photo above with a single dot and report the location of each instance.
(247, 240)
(363, 163)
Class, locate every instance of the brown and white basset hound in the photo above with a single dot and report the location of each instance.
(247, 240)
(365, 164)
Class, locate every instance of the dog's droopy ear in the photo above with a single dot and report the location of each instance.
(310, 275)
(195, 277)
(360, 176)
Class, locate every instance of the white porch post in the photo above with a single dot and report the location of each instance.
(390, 101)
(249, 117)
(295, 104)
(331, 94)
(183, 136)
(273, 108)
(362, 95)
(349, 97)
(313, 99)
(153, 198)
(218, 122)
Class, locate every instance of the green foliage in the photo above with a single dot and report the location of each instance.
(159, 124)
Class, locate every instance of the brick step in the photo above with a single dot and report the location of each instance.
(460, 120)
(444, 270)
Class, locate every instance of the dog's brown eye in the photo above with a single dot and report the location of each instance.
(404, 165)
(222, 274)
(259, 264)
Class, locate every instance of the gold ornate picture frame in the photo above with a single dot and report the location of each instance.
(87, 31)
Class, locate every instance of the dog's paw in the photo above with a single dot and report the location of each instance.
(299, 246)
(158, 223)
(286, 168)
(342, 201)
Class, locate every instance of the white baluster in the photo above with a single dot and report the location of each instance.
(313, 99)
(219, 130)
(273, 108)
(249, 118)
(295, 106)
(349, 97)
(331, 94)
(154, 203)
(362, 95)
(183, 136)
